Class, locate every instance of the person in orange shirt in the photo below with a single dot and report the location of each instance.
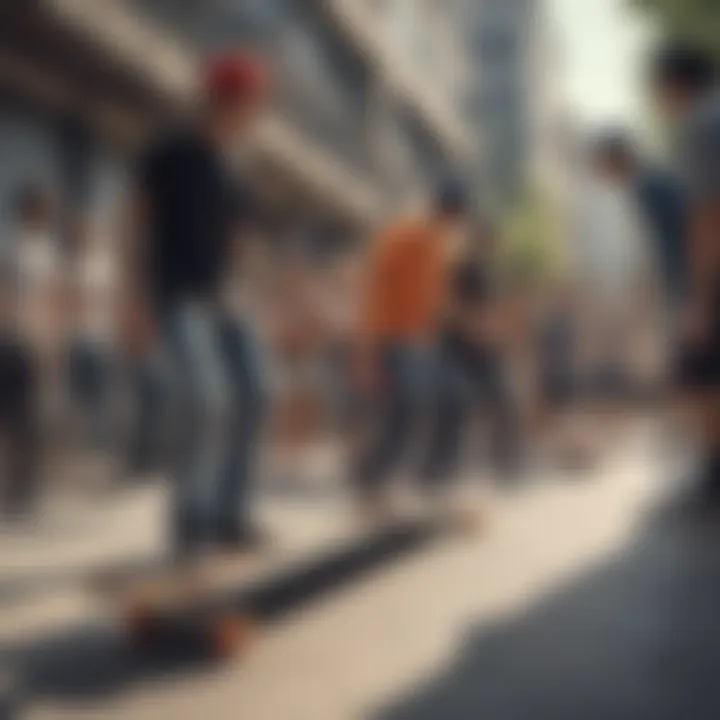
(402, 304)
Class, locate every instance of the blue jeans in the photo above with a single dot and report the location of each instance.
(397, 414)
(467, 380)
(215, 375)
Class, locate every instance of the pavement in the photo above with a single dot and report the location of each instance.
(590, 597)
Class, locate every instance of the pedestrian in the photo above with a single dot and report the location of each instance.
(657, 194)
(92, 362)
(563, 423)
(34, 322)
(191, 207)
(403, 299)
(474, 370)
(685, 81)
(614, 270)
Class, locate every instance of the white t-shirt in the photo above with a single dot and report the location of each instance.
(36, 268)
(96, 279)
(611, 251)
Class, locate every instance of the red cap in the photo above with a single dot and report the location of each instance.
(236, 76)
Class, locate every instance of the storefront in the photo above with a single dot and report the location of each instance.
(66, 111)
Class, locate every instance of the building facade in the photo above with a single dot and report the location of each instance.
(359, 120)
(504, 39)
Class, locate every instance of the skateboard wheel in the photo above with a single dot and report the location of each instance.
(228, 636)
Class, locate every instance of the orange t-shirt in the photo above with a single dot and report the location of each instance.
(405, 283)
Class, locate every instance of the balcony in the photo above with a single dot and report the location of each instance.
(211, 23)
(322, 85)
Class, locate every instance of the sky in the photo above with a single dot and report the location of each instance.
(603, 47)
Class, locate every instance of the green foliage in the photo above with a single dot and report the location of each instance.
(693, 20)
(532, 241)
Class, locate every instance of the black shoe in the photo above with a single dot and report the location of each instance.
(247, 538)
(187, 542)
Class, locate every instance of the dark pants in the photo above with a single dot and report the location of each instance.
(218, 392)
(396, 414)
(19, 425)
(425, 400)
(91, 381)
(469, 380)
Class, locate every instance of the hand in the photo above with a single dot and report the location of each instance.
(137, 329)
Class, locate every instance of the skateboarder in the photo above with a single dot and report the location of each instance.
(405, 291)
(188, 211)
(32, 329)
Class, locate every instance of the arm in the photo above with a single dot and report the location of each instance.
(371, 309)
(137, 323)
(704, 246)
(371, 302)
(701, 160)
(703, 243)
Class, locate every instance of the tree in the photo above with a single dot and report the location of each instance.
(693, 20)
(532, 240)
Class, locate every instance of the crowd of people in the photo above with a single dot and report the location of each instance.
(409, 347)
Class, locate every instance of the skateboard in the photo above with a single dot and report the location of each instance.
(176, 607)
(215, 606)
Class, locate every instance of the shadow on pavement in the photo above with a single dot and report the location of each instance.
(637, 638)
(92, 661)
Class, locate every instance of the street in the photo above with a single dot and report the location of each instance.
(581, 599)
(375, 345)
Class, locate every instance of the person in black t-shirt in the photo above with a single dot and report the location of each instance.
(473, 368)
(189, 211)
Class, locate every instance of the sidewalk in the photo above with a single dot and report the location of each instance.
(44, 571)
(42, 568)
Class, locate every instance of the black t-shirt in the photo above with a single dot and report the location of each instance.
(472, 291)
(194, 209)
(471, 285)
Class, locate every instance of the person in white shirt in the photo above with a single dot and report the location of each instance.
(94, 324)
(613, 268)
(33, 330)
(35, 262)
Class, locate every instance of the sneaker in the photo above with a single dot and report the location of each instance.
(248, 538)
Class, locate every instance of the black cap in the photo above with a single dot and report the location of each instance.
(684, 64)
(452, 198)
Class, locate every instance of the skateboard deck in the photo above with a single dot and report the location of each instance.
(174, 605)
